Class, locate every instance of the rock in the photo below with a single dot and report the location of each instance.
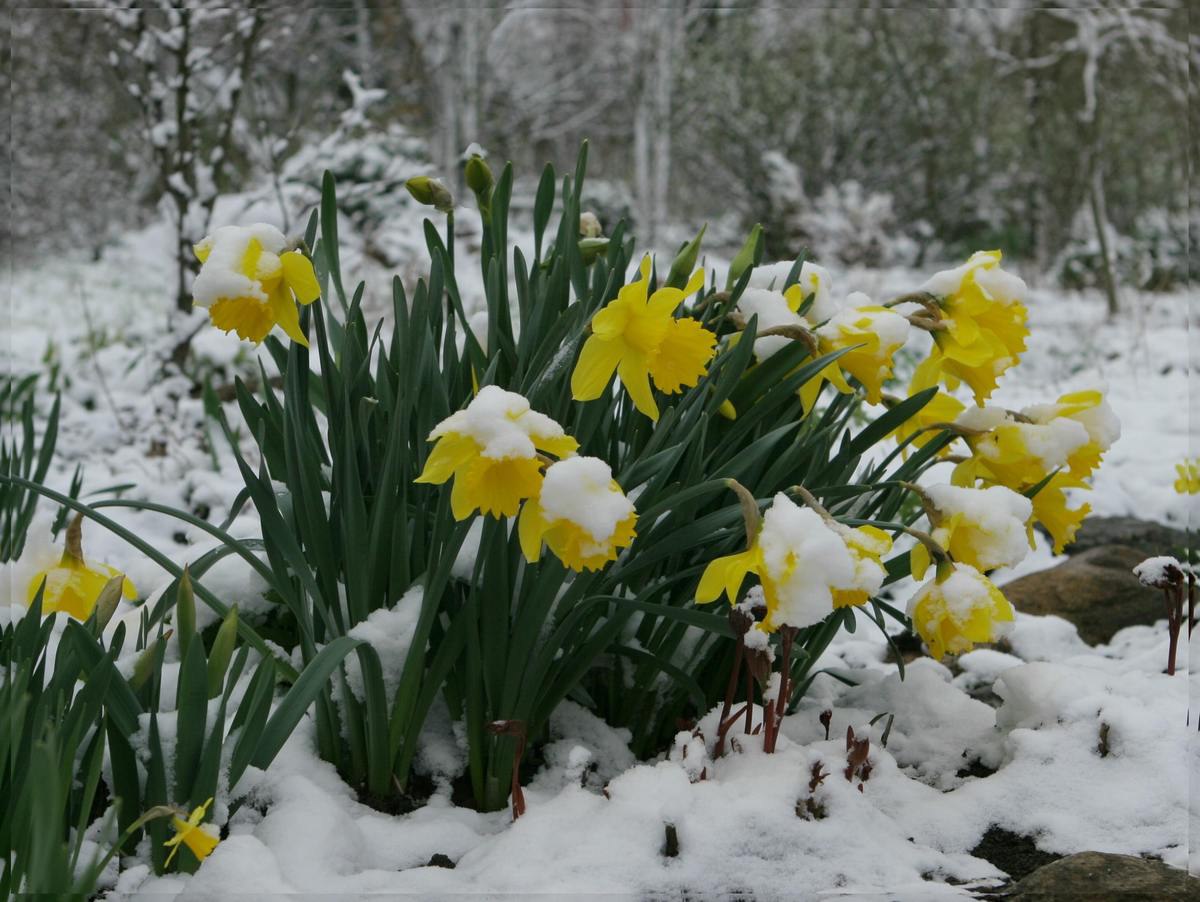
(1146, 536)
(1095, 590)
(1016, 855)
(1102, 877)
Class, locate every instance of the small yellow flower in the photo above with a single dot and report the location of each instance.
(638, 337)
(1188, 482)
(580, 513)
(73, 585)
(867, 545)
(875, 334)
(984, 320)
(956, 609)
(490, 448)
(250, 282)
(189, 833)
(986, 527)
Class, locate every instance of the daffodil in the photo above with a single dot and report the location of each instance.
(873, 334)
(983, 527)
(775, 310)
(958, 608)
(191, 834)
(581, 514)
(638, 337)
(800, 561)
(250, 282)
(982, 323)
(1050, 508)
(490, 449)
(1089, 409)
(1188, 482)
(73, 585)
(942, 408)
(1015, 453)
(867, 546)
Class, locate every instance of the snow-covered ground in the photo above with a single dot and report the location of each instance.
(953, 765)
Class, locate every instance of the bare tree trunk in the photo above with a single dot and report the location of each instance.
(1100, 217)
(658, 34)
(362, 43)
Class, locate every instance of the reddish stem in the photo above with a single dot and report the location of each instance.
(730, 690)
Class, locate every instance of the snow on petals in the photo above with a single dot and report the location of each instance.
(986, 527)
(638, 337)
(958, 608)
(982, 328)
(250, 282)
(490, 449)
(873, 334)
(581, 514)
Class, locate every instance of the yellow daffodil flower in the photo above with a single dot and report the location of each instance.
(73, 585)
(1188, 482)
(250, 282)
(189, 833)
(986, 528)
(637, 337)
(875, 334)
(802, 562)
(983, 323)
(958, 608)
(867, 545)
(490, 448)
(1013, 453)
(581, 514)
(1090, 410)
(942, 408)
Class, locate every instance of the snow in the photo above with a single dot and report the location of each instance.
(999, 285)
(581, 490)
(389, 631)
(1159, 572)
(501, 424)
(772, 310)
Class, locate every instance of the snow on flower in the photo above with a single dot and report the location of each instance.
(982, 328)
(986, 528)
(1091, 410)
(1016, 453)
(638, 337)
(815, 282)
(867, 545)
(490, 448)
(773, 309)
(801, 561)
(189, 833)
(580, 513)
(873, 333)
(958, 608)
(1159, 572)
(249, 282)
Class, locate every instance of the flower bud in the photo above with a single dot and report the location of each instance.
(222, 652)
(750, 255)
(589, 225)
(185, 612)
(478, 176)
(591, 248)
(685, 261)
(431, 193)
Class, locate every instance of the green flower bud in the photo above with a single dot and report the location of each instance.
(750, 255)
(591, 248)
(431, 193)
(478, 176)
(185, 613)
(222, 652)
(589, 225)
(685, 261)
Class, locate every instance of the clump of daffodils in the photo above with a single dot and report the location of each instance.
(638, 337)
(491, 451)
(74, 584)
(250, 282)
(581, 514)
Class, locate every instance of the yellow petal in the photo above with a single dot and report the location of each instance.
(251, 319)
(450, 453)
(250, 259)
(530, 528)
(682, 356)
(597, 362)
(635, 376)
(300, 277)
(919, 561)
(286, 314)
